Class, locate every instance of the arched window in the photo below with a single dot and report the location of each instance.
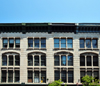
(63, 59)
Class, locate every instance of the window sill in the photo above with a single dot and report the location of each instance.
(63, 49)
(10, 49)
(88, 49)
(30, 48)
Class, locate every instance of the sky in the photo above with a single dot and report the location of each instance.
(49, 11)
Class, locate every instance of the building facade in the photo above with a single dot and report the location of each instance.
(39, 53)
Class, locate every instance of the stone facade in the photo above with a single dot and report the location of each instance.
(49, 51)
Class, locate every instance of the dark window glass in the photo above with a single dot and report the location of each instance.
(36, 60)
(3, 76)
(56, 60)
(10, 60)
(30, 42)
(94, 43)
(82, 60)
(70, 60)
(88, 43)
(30, 76)
(69, 43)
(95, 60)
(17, 43)
(5, 41)
(36, 77)
(17, 60)
(96, 74)
(11, 43)
(63, 76)
(17, 76)
(63, 43)
(82, 75)
(89, 73)
(43, 60)
(36, 43)
(88, 60)
(63, 60)
(4, 60)
(56, 43)
(43, 76)
(30, 60)
(43, 43)
(81, 43)
(10, 76)
(57, 75)
(70, 76)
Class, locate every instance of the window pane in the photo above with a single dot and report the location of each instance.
(17, 41)
(56, 43)
(43, 76)
(43, 60)
(82, 60)
(3, 76)
(94, 43)
(63, 76)
(30, 76)
(4, 60)
(30, 42)
(10, 60)
(89, 73)
(57, 75)
(30, 60)
(10, 76)
(36, 43)
(11, 43)
(70, 76)
(81, 43)
(63, 60)
(36, 60)
(17, 60)
(63, 43)
(95, 60)
(43, 43)
(17, 76)
(88, 60)
(56, 60)
(36, 77)
(69, 43)
(5, 41)
(11, 40)
(96, 74)
(88, 43)
(70, 60)
(82, 75)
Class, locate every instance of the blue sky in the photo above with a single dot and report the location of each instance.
(40, 11)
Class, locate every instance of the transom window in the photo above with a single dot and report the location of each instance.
(63, 43)
(88, 43)
(11, 43)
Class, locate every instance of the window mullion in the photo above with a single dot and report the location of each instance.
(91, 44)
(13, 60)
(8, 43)
(60, 60)
(40, 76)
(33, 75)
(33, 43)
(6, 76)
(60, 43)
(85, 61)
(13, 75)
(33, 60)
(39, 60)
(92, 61)
(67, 75)
(14, 42)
